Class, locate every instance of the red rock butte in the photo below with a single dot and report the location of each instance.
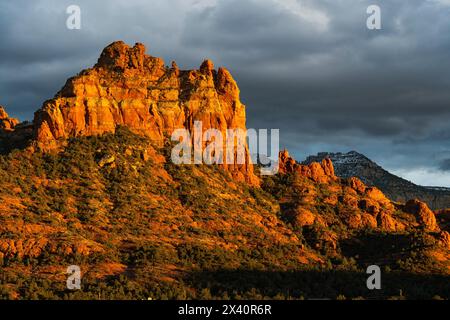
(127, 87)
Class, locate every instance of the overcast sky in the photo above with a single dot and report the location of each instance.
(308, 67)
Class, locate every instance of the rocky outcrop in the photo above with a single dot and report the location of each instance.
(6, 123)
(319, 172)
(356, 184)
(422, 213)
(354, 164)
(13, 135)
(444, 239)
(302, 217)
(387, 223)
(286, 164)
(129, 88)
(314, 194)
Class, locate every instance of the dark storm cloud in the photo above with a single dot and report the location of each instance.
(310, 68)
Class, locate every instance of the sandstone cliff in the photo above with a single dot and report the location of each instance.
(129, 88)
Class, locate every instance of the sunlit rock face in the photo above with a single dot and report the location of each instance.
(130, 88)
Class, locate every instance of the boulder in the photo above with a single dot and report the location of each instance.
(422, 213)
(303, 217)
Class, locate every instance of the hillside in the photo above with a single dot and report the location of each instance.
(354, 164)
(91, 183)
(142, 227)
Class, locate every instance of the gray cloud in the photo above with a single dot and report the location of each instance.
(445, 165)
(310, 68)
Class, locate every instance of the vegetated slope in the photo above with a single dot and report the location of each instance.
(354, 164)
(141, 227)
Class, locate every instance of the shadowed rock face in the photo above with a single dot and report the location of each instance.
(12, 133)
(129, 88)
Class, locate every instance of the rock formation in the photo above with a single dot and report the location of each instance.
(354, 164)
(286, 164)
(357, 205)
(12, 133)
(318, 172)
(422, 213)
(6, 123)
(129, 88)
